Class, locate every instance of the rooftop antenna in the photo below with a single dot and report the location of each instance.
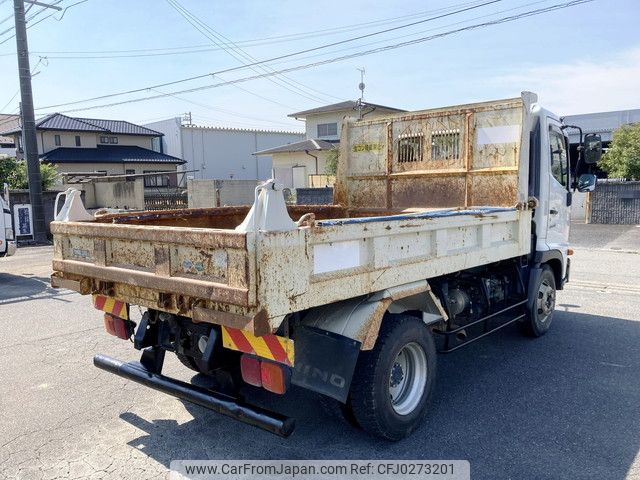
(187, 120)
(361, 86)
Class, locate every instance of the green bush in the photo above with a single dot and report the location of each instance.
(14, 172)
(331, 166)
(622, 159)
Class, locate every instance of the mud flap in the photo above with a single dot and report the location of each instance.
(324, 362)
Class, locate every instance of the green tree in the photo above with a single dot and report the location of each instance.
(331, 166)
(622, 159)
(14, 172)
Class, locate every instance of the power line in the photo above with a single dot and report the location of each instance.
(199, 48)
(33, 72)
(244, 54)
(237, 53)
(344, 57)
(29, 25)
(269, 60)
(200, 29)
(413, 34)
(230, 112)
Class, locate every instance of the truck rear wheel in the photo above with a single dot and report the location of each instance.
(540, 314)
(393, 382)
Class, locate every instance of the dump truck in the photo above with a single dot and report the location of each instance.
(447, 225)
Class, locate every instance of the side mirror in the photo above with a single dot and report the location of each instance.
(592, 148)
(587, 182)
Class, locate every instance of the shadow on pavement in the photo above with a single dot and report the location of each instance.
(22, 288)
(610, 237)
(562, 406)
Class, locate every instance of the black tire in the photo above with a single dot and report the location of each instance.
(377, 369)
(187, 362)
(340, 411)
(540, 315)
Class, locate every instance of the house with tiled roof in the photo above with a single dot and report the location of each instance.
(295, 164)
(112, 147)
(7, 142)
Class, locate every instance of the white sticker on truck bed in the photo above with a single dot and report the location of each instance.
(497, 135)
(329, 257)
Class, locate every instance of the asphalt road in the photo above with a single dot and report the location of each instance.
(563, 406)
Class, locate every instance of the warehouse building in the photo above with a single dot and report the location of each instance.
(219, 153)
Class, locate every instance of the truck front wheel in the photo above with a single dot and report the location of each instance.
(540, 314)
(393, 382)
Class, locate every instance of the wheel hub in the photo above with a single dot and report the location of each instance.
(397, 375)
(408, 378)
(545, 303)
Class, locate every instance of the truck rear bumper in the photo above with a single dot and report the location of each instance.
(224, 404)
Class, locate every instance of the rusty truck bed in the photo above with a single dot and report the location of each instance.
(253, 280)
(407, 186)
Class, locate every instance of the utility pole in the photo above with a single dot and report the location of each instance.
(29, 139)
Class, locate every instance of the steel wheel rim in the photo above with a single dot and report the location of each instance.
(546, 301)
(408, 378)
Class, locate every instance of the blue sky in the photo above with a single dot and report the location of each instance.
(581, 59)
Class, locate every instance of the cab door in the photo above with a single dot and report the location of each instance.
(559, 196)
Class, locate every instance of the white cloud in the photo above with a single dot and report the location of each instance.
(584, 86)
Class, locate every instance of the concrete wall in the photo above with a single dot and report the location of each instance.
(579, 207)
(129, 195)
(201, 193)
(218, 193)
(221, 153)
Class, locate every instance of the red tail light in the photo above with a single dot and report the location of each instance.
(118, 326)
(274, 377)
(263, 373)
(108, 324)
(250, 369)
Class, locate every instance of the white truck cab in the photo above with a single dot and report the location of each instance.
(552, 185)
(7, 237)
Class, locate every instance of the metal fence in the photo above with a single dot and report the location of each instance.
(165, 201)
(615, 202)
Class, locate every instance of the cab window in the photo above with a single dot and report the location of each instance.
(559, 159)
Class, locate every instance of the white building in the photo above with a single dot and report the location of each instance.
(221, 153)
(293, 163)
(602, 123)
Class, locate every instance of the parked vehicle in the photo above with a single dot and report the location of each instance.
(448, 225)
(7, 237)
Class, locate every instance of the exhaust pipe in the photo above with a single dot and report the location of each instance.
(258, 417)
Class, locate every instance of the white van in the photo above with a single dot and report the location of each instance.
(7, 238)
